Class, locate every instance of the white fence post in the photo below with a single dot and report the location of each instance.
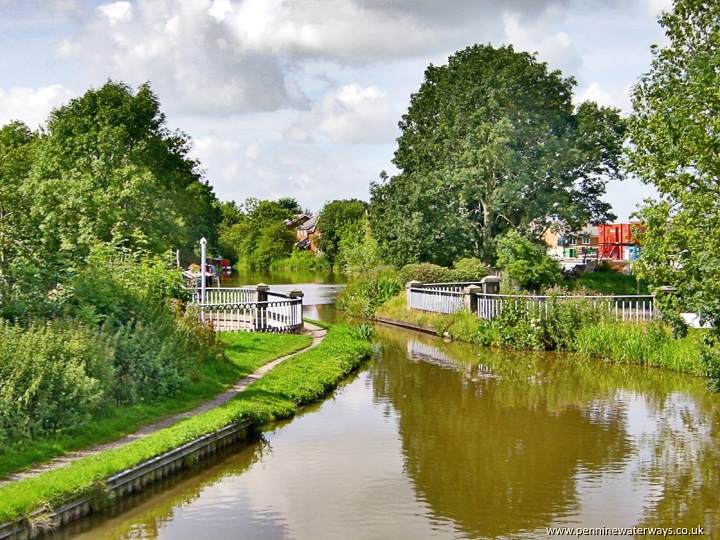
(408, 292)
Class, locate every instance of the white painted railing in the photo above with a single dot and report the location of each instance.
(239, 310)
(632, 308)
(439, 300)
(453, 297)
(270, 316)
(227, 295)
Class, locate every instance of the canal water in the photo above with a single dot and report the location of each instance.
(445, 440)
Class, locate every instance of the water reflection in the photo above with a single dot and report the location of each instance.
(445, 440)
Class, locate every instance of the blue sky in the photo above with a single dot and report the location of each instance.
(302, 97)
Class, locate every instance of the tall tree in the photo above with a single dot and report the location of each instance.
(109, 169)
(490, 142)
(16, 143)
(334, 218)
(675, 133)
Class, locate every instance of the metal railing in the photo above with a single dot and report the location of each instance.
(631, 308)
(439, 300)
(226, 295)
(453, 297)
(249, 309)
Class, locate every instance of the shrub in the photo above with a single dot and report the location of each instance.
(469, 269)
(526, 263)
(425, 272)
(51, 377)
(301, 261)
(364, 295)
(358, 249)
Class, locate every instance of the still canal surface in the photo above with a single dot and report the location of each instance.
(445, 440)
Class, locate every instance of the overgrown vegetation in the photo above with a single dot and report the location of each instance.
(279, 394)
(255, 234)
(569, 327)
(301, 261)
(243, 353)
(606, 281)
(465, 269)
(525, 263)
(364, 295)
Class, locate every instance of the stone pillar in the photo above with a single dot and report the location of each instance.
(297, 320)
(408, 286)
(471, 299)
(261, 315)
(490, 285)
(262, 292)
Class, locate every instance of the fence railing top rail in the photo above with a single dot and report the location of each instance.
(245, 288)
(437, 291)
(451, 284)
(575, 297)
(284, 301)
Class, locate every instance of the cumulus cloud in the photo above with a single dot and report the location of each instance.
(349, 114)
(230, 56)
(116, 12)
(193, 59)
(596, 92)
(31, 105)
(554, 47)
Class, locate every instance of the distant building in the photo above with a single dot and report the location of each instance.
(609, 241)
(577, 245)
(306, 231)
(618, 241)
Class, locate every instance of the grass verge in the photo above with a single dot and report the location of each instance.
(244, 353)
(279, 394)
(622, 343)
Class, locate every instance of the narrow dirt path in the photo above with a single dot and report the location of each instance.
(317, 333)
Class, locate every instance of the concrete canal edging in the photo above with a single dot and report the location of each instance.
(126, 483)
(407, 325)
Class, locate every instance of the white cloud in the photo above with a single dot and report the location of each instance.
(349, 114)
(192, 58)
(116, 12)
(595, 92)
(31, 105)
(656, 7)
(554, 47)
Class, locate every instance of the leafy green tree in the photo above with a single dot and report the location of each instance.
(274, 242)
(525, 263)
(675, 134)
(109, 169)
(16, 143)
(492, 142)
(358, 251)
(335, 217)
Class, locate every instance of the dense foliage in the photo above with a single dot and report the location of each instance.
(116, 341)
(364, 295)
(466, 269)
(334, 220)
(492, 142)
(525, 263)
(675, 138)
(90, 207)
(256, 233)
(358, 251)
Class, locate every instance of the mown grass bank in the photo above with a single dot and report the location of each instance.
(243, 354)
(279, 394)
(572, 328)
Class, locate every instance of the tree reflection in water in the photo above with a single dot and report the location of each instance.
(505, 442)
